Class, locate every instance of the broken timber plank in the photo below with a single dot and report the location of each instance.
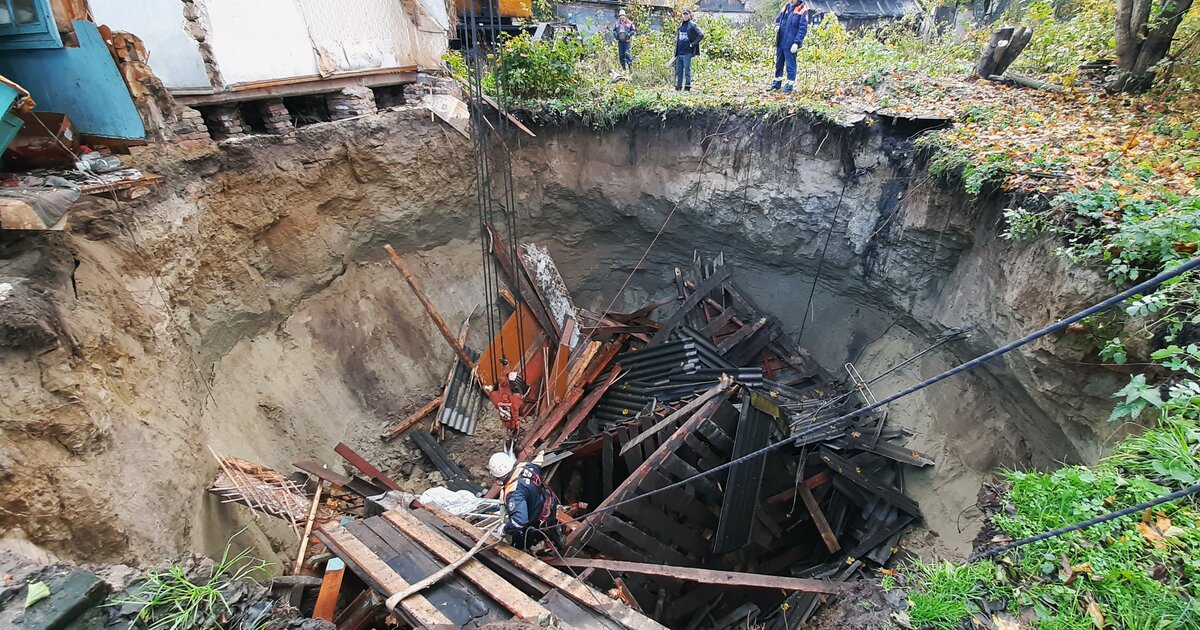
(354, 484)
(415, 417)
(717, 323)
(438, 575)
(742, 333)
(888, 450)
(851, 471)
(331, 587)
(597, 364)
(497, 588)
(429, 308)
(381, 575)
(654, 460)
(692, 300)
(580, 411)
(673, 418)
(578, 591)
(818, 516)
(365, 467)
(704, 576)
(556, 382)
(308, 525)
(512, 119)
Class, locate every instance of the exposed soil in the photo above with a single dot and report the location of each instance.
(247, 307)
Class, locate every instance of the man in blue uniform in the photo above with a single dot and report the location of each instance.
(530, 507)
(791, 26)
(687, 45)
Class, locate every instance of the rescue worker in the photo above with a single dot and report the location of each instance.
(791, 26)
(687, 45)
(530, 507)
(624, 31)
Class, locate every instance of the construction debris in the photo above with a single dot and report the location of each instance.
(728, 483)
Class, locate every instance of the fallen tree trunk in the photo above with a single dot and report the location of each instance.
(1016, 79)
(1002, 50)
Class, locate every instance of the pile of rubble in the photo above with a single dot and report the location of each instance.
(710, 472)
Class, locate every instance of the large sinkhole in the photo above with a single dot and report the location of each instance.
(255, 313)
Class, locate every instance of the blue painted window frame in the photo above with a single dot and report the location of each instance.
(44, 34)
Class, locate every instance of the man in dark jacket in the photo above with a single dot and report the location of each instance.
(791, 25)
(687, 45)
(623, 32)
(530, 507)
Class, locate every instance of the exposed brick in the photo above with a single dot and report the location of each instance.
(224, 121)
(351, 102)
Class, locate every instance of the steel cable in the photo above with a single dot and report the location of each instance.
(813, 433)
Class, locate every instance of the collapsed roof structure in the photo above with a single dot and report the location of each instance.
(709, 469)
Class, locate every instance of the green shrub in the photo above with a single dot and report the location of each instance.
(727, 41)
(544, 69)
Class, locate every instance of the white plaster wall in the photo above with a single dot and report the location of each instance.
(378, 33)
(174, 55)
(260, 40)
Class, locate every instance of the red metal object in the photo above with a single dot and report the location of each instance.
(365, 467)
(508, 402)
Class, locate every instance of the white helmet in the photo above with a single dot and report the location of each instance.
(501, 464)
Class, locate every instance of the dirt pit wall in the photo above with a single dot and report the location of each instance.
(247, 307)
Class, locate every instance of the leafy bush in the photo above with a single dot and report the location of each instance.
(1060, 45)
(727, 41)
(530, 69)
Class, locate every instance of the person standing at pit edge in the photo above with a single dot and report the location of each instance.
(687, 45)
(624, 31)
(791, 26)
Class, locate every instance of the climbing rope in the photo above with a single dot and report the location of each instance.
(818, 429)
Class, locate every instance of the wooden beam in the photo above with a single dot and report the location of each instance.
(578, 591)
(818, 516)
(625, 595)
(299, 86)
(654, 460)
(351, 549)
(395, 600)
(331, 587)
(556, 382)
(308, 525)
(493, 585)
(692, 300)
(318, 470)
(673, 418)
(429, 308)
(853, 472)
(812, 483)
(594, 368)
(400, 427)
(580, 411)
(704, 576)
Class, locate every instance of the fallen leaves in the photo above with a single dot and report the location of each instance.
(1093, 610)
(1160, 532)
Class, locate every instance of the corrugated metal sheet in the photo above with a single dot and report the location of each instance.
(864, 9)
(464, 399)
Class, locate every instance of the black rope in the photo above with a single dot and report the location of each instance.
(821, 263)
(1005, 548)
(819, 431)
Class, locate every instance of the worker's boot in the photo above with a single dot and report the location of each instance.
(788, 87)
(775, 85)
